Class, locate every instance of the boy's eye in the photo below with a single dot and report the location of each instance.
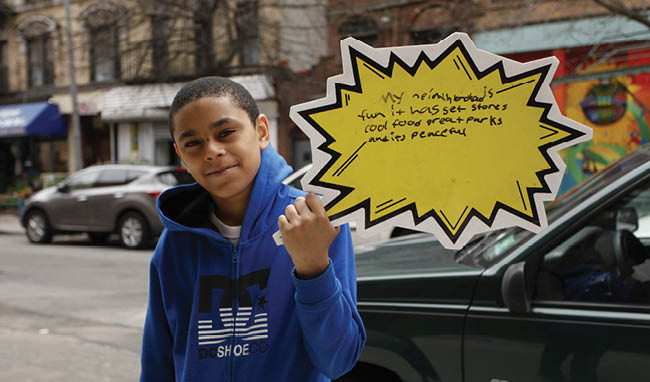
(226, 132)
(191, 143)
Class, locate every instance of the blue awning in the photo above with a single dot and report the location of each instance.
(40, 118)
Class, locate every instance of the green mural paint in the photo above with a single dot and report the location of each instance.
(637, 113)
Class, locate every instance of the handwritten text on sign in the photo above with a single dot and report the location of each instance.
(438, 137)
(430, 114)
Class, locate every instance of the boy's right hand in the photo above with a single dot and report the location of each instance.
(307, 234)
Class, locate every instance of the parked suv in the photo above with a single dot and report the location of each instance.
(571, 303)
(101, 200)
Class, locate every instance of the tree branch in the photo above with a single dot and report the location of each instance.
(619, 8)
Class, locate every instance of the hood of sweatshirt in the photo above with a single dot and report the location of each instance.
(186, 207)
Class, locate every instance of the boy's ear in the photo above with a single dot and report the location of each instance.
(263, 131)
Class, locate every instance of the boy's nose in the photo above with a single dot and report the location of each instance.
(213, 150)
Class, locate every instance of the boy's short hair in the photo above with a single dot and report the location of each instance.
(213, 87)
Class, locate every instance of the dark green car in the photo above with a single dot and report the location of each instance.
(568, 304)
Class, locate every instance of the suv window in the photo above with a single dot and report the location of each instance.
(489, 248)
(603, 261)
(296, 183)
(173, 178)
(114, 177)
(82, 181)
(132, 175)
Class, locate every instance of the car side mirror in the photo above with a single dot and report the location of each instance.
(62, 187)
(514, 290)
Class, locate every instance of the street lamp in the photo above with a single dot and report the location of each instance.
(75, 161)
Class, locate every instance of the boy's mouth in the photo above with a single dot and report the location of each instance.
(219, 170)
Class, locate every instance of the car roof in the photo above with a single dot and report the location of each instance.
(138, 167)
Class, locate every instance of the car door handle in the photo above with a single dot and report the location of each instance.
(119, 195)
(82, 198)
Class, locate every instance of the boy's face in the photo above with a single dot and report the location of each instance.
(220, 147)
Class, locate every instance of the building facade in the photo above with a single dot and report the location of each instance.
(601, 80)
(130, 58)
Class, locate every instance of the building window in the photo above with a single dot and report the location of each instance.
(4, 68)
(40, 64)
(38, 32)
(104, 56)
(426, 36)
(160, 34)
(248, 32)
(361, 28)
(203, 53)
(102, 21)
(433, 23)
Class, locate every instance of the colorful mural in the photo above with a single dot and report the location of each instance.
(616, 107)
(617, 112)
(605, 104)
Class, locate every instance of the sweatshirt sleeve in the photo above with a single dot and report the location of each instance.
(327, 311)
(157, 343)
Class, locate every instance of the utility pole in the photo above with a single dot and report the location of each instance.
(75, 161)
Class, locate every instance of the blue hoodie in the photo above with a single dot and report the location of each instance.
(224, 312)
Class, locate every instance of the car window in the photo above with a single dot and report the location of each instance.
(173, 178)
(595, 183)
(294, 179)
(82, 181)
(132, 175)
(415, 254)
(112, 177)
(296, 183)
(489, 248)
(604, 260)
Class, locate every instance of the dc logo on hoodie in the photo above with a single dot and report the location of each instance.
(247, 326)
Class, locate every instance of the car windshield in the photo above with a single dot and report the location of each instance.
(488, 248)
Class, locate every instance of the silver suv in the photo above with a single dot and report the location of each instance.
(101, 200)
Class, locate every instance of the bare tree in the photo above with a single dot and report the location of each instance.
(620, 8)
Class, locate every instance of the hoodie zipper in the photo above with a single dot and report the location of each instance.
(235, 308)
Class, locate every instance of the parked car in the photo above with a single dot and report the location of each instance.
(101, 200)
(568, 304)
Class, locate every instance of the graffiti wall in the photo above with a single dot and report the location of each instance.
(617, 111)
(616, 106)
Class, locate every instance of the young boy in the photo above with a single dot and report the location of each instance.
(226, 303)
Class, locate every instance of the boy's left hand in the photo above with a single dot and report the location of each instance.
(307, 234)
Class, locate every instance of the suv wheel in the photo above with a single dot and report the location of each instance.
(134, 230)
(38, 229)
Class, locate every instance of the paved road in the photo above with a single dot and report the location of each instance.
(70, 311)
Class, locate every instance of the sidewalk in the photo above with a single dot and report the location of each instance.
(9, 224)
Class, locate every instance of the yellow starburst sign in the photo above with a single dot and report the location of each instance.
(442, 138)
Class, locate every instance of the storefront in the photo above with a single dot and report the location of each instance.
(95, 134)
(32, 141)
(138, 118)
